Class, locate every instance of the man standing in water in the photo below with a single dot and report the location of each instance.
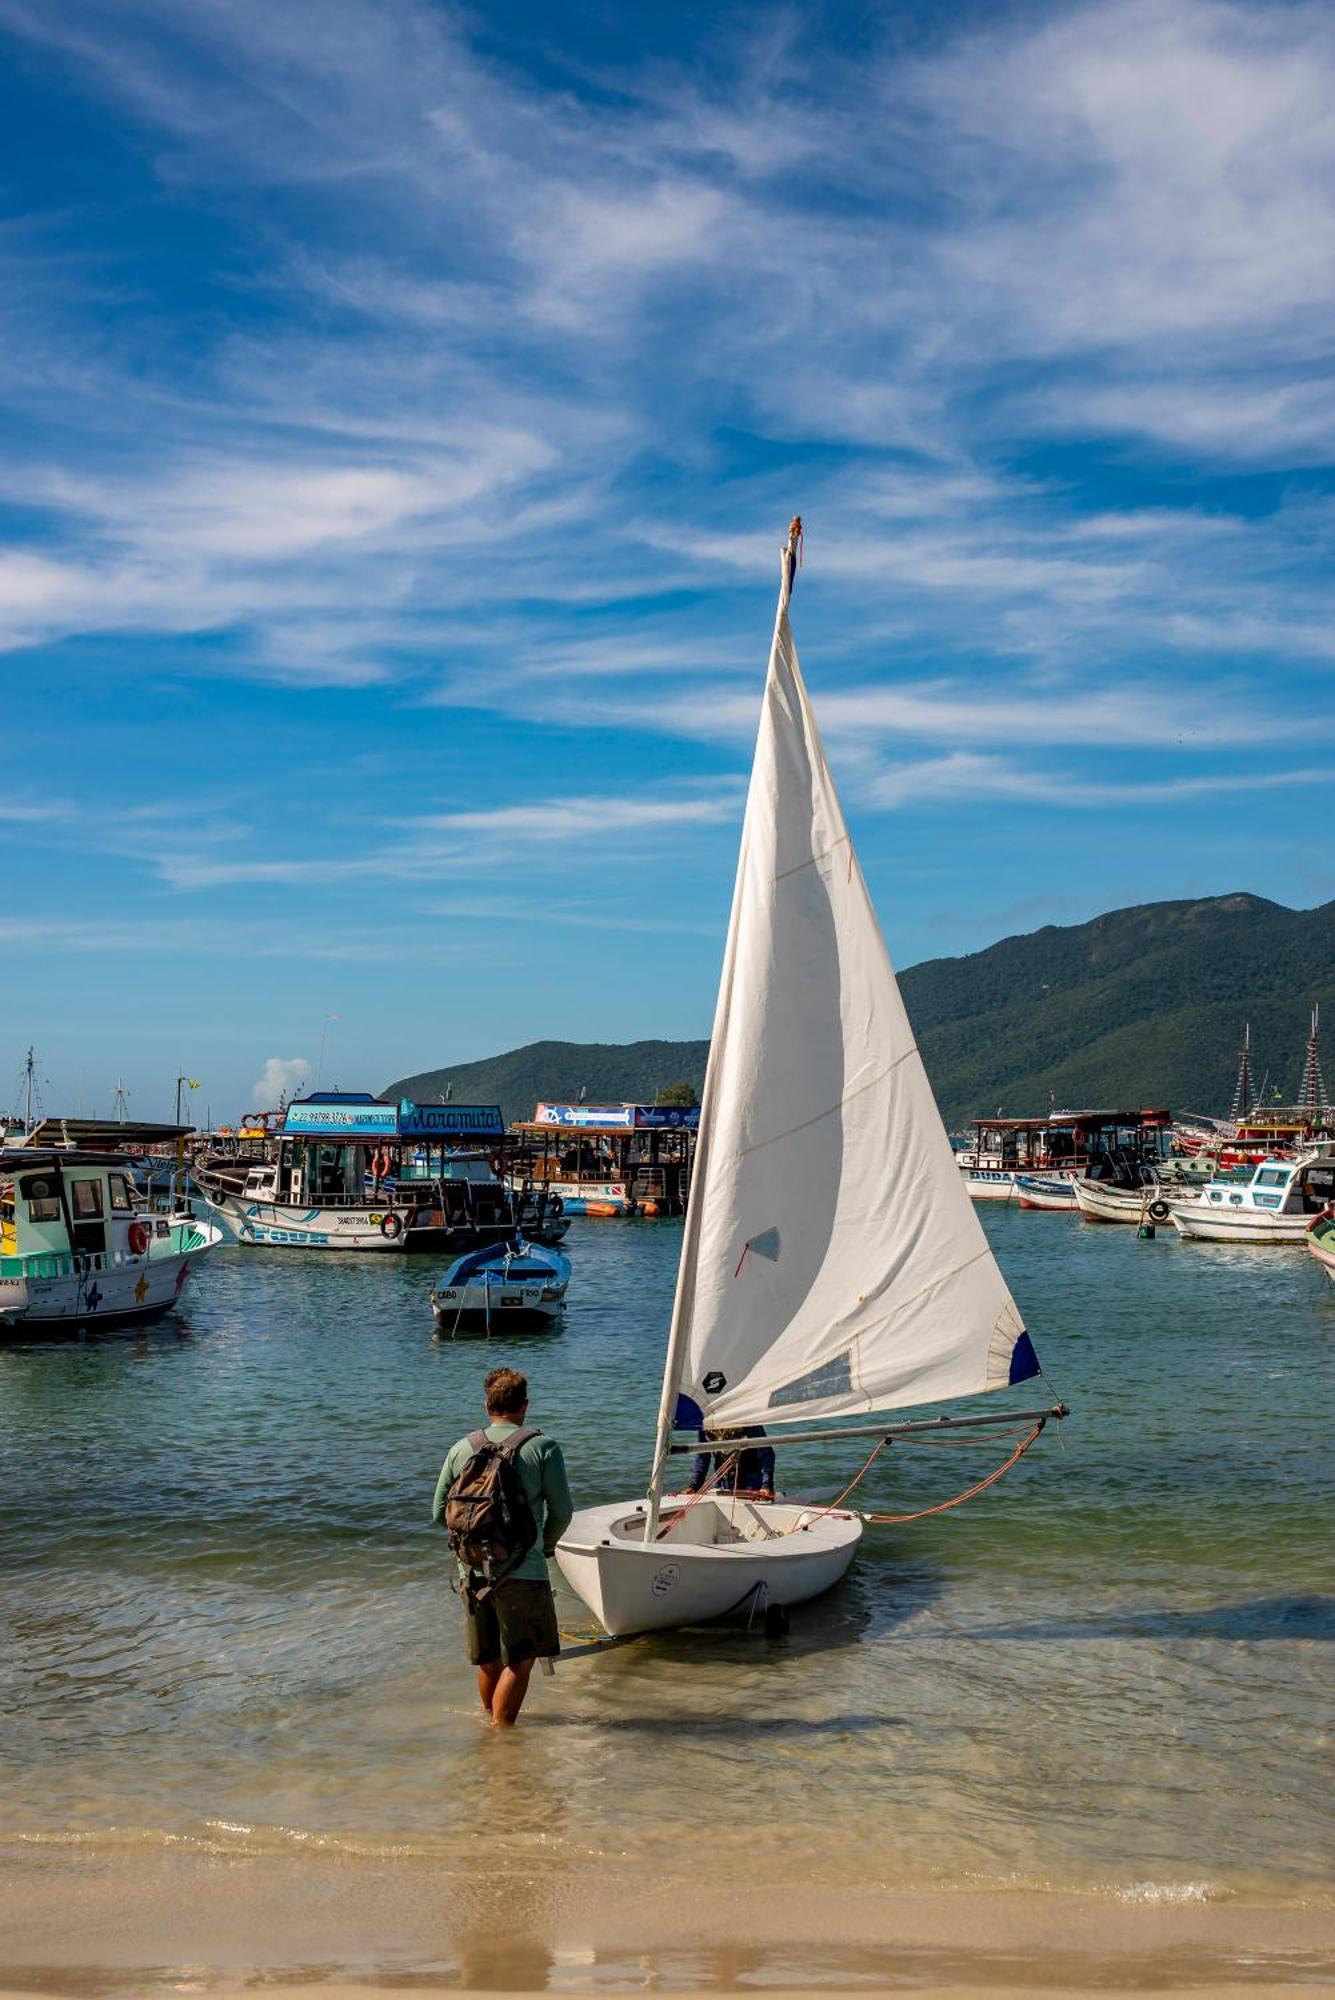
(510, 1614)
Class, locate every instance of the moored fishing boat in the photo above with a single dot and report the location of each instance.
(78, 1249)
(1042, 1191)
(505, 1285)
(1321, 1242)
(1277, 1205)
(1101, 1201)
(804, 1291)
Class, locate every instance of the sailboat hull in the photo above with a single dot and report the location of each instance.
(711, 1558)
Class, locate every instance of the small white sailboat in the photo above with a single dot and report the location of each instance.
(831, 1263)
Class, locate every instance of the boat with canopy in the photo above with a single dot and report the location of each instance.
(832, 1264)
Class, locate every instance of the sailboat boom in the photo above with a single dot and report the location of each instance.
(993, 1420)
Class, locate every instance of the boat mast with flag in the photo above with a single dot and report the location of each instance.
(832, 1265)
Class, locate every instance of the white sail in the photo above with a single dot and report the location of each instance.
(832, 1260)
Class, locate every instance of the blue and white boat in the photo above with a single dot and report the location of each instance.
(499, 1287)
(1278, 1205)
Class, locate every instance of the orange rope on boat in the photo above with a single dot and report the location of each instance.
(700, 1493)
(944, 1506)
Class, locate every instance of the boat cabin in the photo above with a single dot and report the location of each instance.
(73, 1208)
(433, 1174)
(1304, 1186)
(611, 1159)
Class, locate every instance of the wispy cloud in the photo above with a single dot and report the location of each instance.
(967, 776)
(457, 845)
(394, 409)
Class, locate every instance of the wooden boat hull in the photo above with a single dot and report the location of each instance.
(1321, 1243)
(1037, 1192)
(782, 1553)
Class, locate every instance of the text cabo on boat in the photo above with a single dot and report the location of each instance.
(832, 1263)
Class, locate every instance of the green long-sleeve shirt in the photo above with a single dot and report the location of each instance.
(542, 1470)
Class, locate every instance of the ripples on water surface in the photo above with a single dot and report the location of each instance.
(229, 1621)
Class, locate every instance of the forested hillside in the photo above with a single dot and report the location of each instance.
(1141, 1006)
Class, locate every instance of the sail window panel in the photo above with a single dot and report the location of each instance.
(832, 1378)
(86, 1200)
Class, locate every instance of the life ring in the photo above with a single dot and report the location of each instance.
(1158, 1210)
(139, 1238)
(390, 1225)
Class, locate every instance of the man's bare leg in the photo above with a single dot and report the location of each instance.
(487, 1677)
(508, 1698)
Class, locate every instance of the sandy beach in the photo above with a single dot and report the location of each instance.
(109, 1924)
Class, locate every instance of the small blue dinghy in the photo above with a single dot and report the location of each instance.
(499, 1287)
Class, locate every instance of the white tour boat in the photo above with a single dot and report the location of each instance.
(1277, 1205)
(831, 1261)
(78, 1249)
(350, 1172)
(503, 1285)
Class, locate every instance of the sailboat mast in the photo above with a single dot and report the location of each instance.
(667, 1406)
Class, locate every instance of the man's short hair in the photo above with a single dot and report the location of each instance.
(506, 1391)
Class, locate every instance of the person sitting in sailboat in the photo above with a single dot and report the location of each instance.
(734, 1471)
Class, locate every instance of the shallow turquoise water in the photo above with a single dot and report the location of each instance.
(229, 1623)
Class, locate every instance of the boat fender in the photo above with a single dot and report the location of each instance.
(390, 1225)
(555, 1205)
(139, 1238)
(1158, 1211)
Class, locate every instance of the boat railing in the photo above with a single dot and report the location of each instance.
(85, 1263)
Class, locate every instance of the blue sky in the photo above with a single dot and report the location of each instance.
(402, 409)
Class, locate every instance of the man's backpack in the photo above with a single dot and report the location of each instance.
(488, 1515)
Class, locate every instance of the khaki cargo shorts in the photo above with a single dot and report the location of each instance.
(516, 1623)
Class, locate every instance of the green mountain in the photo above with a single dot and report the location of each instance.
(1141, 1006)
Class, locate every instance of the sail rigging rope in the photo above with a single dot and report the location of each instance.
(1029, 1438)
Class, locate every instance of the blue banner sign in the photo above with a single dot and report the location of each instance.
(450, 1121)
(620, 1117)
(667, 1117)
(603, 1115)
(341, 1121)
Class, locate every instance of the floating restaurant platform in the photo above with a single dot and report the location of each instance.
(611, 1159)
